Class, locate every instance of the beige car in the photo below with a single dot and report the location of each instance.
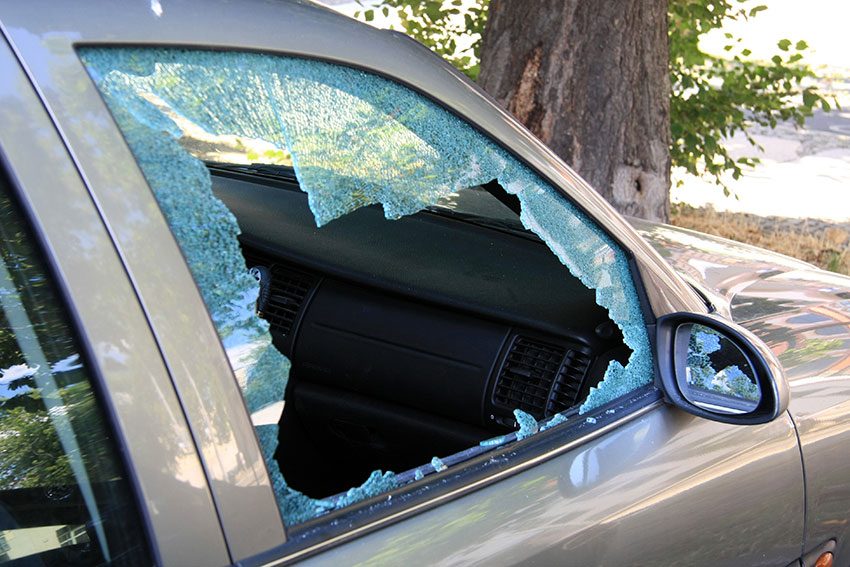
(277, 286)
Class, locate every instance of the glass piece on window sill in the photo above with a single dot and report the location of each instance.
(439, 466)
(496, 441)
(299, 508)
(557, 419)
(527, 424)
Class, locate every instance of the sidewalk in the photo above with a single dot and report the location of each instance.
(805, 173)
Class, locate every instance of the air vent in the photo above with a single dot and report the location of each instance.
(289, 289)
(540, 378)
(568, 383)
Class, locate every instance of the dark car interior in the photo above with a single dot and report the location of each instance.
(410, 338)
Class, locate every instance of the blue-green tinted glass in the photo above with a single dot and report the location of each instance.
(63, 496)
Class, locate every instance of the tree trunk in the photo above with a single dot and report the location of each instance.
(590, 79)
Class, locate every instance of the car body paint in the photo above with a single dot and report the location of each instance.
(175, 500)
(803, 315)
(643, 476)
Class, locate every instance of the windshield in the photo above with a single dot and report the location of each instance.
(488, 205)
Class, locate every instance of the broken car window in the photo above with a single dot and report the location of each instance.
(354, 140)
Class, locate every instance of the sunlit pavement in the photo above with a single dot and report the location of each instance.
(804, 173)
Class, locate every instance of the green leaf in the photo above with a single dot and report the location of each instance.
(784, 44)
(801, 45)
(809, 98)
(776, 59)
(755, 10)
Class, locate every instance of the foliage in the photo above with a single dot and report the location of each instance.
(30, 451)
(809, 351)
(451, 28)
(730, 380)
(715, 97)
(712, 97)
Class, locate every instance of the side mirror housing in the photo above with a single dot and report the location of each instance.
(718, 370)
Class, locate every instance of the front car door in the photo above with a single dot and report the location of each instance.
(639, 483)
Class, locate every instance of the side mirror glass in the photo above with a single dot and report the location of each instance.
(713, 368)
(716, 374)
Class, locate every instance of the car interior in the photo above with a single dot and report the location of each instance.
(410, 338)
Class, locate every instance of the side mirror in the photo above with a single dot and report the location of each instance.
(718, 370)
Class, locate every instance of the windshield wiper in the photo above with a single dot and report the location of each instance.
(500, 225)
(268, 170)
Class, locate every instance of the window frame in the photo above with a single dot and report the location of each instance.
(336, 527)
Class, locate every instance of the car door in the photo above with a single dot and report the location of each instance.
(637, 483)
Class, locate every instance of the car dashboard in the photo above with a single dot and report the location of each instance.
(410, 338)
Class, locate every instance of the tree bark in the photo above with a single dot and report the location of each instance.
(590, 78)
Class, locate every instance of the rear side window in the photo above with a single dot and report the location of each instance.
(64, 499)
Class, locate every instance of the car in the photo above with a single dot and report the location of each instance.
(277, 286)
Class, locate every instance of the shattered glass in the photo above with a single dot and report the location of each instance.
(527, 424)
(354, 139)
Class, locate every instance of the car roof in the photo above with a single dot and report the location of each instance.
(283, 26)
(295, 27)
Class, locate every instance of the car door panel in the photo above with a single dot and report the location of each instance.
(168, 294)
(663, 489)
(803, 315)
(812, 342)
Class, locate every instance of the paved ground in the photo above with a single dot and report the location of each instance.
(805, 173)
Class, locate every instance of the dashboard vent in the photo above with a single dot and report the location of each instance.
(540, 378)
(568, 383)
(289, 290)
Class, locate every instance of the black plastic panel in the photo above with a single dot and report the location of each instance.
(434, 259)
(388, 348)
(398, 330)
(539, 375)
(352, 435)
